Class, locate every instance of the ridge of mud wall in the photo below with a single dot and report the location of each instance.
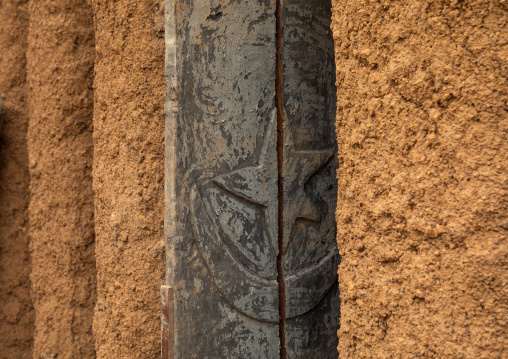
(60, 73)
(16, 311)
(422, 130)
(128, 176)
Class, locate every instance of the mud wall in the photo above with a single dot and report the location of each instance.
(422, 131)
(128, 176)
(60, 74)
(16, 312)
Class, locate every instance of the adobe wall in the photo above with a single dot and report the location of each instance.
(422, 130)
(16, 311)
(60, 74)
(128, 176)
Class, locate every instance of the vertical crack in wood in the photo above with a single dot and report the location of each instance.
(279, 77)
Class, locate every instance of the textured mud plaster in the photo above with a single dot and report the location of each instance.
(226, 189)
(422, 216)
(16, 312)
(128, 177)
(60, 70)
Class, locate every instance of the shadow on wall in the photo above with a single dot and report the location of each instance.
(16, 310)
(1, 140)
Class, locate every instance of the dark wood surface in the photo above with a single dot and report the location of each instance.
(222, 183)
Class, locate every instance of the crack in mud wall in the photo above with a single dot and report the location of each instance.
(128, 176)
(16, 311)
(60, 73)
(422, 130)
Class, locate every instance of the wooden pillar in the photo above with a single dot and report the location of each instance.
(250, 179)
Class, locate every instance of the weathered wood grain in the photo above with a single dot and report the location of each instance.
(222, 183)
(167, 328)
(310, 257)
(220, 69)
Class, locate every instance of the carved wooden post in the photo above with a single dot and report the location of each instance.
(250, 179)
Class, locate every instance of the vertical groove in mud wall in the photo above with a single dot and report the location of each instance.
(422, 208)
(128, 176)
(279, 80)
(60, 73)
(16, 311)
